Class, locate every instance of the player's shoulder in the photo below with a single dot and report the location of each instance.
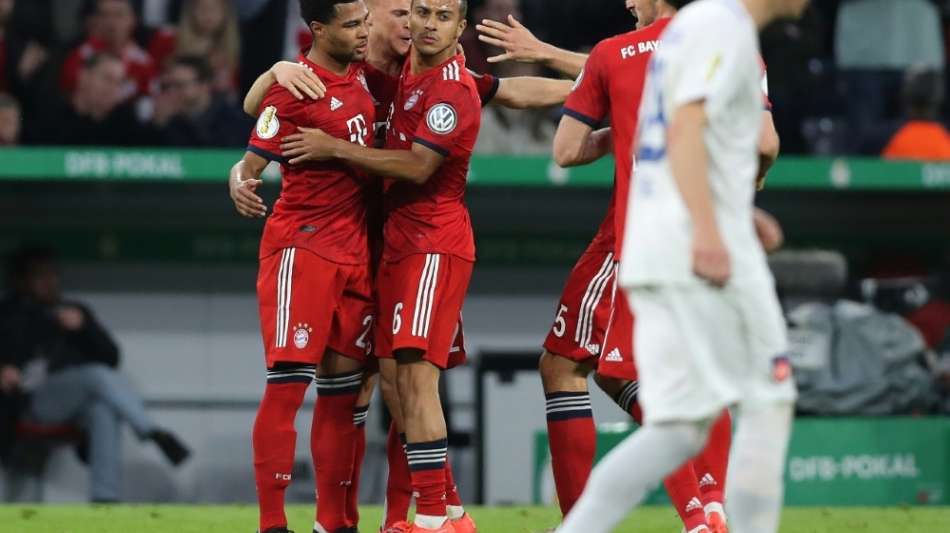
(278, 95)
(456, 81)
(625, 45)
(454, 73)
(710, 17)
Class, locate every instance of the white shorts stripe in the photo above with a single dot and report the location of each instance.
(593, 308)
(284, 277)
(585, 318)
(427, 319)
(420, 292)
(423, 312)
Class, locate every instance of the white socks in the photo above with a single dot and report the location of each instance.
(454, 511)
(430, 522)
(625, 476)
(754, 489)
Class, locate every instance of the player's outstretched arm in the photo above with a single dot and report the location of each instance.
(296, 78)
(522, 92)
(576, 143)
(243, 183)
(769, 146)
(416, 165)
(689, 163)
(521, 45)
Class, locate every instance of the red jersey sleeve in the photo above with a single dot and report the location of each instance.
(588, 101)
(487, 86)
(280, 115)
(449, 113)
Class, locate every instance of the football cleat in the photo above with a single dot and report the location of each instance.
(398, 527)
(717, 523)
(446, 527)
(465, 524)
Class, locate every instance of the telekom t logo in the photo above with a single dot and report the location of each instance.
(358, 130)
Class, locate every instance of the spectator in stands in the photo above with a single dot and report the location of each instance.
(208, 28)
(21, 54)
(95, 113)
(188, 112)
(59, 365)
(9, 120)
(922, 137)
(876, 41)
(111, 28)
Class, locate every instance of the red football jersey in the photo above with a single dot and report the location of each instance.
(612, 84)
(322, 207)
(439, 109)
(384, 87)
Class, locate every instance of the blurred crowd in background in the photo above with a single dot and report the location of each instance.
(859, 77)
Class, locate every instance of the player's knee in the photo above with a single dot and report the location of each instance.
(610, 386)
(561, 374)
(335, 363)
(691, 435)
(389, 388)
(367, 387)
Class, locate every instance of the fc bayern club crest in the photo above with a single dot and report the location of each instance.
(302, 336)
(412, 100)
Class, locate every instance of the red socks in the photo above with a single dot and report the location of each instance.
(684, 493)
(333, 442)
(573, 441)
(399, 483)
(681, 485)
(274, 439)
(451, 489)
(712, 463)
(353, 492)
(427, 462)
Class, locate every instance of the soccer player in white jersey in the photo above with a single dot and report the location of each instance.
(709, 332)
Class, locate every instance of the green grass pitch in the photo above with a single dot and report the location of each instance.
(242, 519)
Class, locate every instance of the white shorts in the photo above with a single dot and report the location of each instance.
(701, 349)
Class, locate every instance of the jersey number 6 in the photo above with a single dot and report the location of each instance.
(397, 320)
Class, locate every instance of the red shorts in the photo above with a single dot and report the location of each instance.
(420, 306)
(308, 304)
(584, 309)
(616, 358)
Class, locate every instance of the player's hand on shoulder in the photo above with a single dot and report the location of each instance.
(245, 198)
(308, 144)
(710, 257)
(517, 41)
(299, 79)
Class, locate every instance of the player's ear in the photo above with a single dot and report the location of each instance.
(317, 28)
(462, 25)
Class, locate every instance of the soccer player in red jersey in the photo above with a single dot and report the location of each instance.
(314, 285)
(388, 46)
(428, 243)
(590, 323)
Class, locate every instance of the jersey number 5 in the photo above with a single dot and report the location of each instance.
(560, 325)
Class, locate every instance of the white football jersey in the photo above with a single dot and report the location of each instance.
(710, 53)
